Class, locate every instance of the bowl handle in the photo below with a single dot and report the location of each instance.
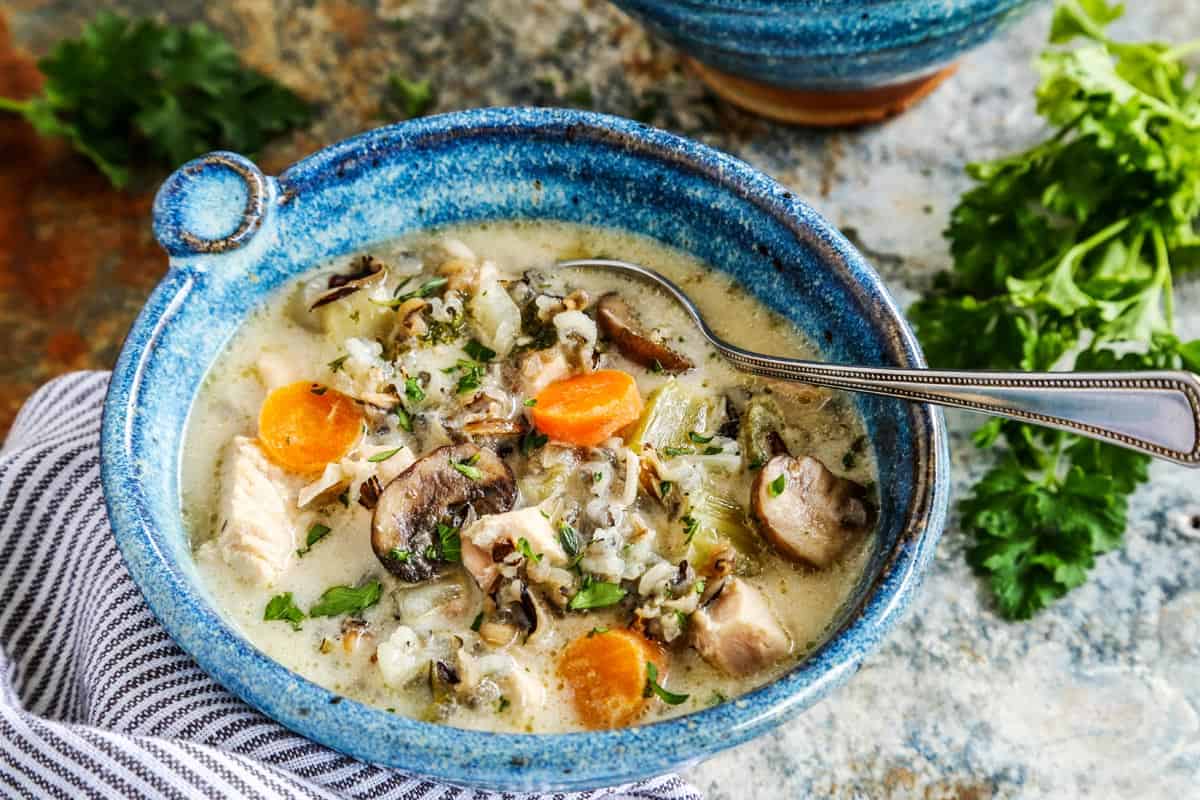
(210, 205)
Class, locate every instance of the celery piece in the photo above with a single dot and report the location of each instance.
(537, 488)
(672, 412)
(762, 415)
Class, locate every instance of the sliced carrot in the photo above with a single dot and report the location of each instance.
(304, 426)
(606, 673)
(587, 409)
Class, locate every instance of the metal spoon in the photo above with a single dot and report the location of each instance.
(1154, 412)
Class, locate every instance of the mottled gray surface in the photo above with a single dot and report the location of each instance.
(1098, 697)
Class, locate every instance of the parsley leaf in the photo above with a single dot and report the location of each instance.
(525, 549)
(468, 469)
(569, 539)
(316, 533)
(451, 543)
(340, 600)
(653, 688)
(479, 352)
(403, 418)
(532, 440)
(413, 390)
(1064, 258)
(408, 99)
(386, 454)
(282, 607)
(128, 91)
(596, 594)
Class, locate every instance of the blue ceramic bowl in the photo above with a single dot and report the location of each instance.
(235, 236)
(825, 45)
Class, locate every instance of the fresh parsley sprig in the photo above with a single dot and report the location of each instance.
(128, 91)
(1064, 258)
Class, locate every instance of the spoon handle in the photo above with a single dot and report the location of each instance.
(1156, 412)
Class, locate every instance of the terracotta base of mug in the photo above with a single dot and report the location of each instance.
(816, 108)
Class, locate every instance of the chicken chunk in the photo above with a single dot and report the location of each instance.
(737, 633)
(401, 658)
(479, 539)
(257, 536)
(541, 368)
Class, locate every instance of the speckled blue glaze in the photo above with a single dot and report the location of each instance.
(825, 45)
(479, 165)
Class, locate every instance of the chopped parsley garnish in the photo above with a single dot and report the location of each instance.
(678, 451)
(598, 630)
(445, 331)
(569, 540)
(470, 375)
(524, 548)
(691, 526)
(282, 607)
(850, 458)
(424, 290)
(403, 418)
(712, 451)
(385, 455)
(344, 498)
(717, 698)
(336, 364)
(698, 439)
(413, 390)
(664, 488)
(340, 600)
(532, 440)
(755, 463)
(776, 487)
(502, 704)
(316, 533)
(451, 543)
(652, 688)
(478, 351)
(477, 622)
(657, 367)
(530, 402)
(700, 584)
(597, 477)
(318, 389)
(596, 594)
(397, 554)
(468, 469)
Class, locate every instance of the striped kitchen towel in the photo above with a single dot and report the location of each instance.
(96, 700)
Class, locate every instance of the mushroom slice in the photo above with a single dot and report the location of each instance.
(808, 513)
(495, 428)
(369, 272)
(404, 528)
(619, 323)
(737, 633)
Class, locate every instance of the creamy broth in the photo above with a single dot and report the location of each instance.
(386, 653)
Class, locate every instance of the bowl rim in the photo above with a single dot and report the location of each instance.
(516, 760)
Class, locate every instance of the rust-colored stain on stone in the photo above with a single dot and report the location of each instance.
(77, 259)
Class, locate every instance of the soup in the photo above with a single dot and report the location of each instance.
(446, 479)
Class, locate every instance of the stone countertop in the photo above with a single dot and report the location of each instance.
(1098, 697)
